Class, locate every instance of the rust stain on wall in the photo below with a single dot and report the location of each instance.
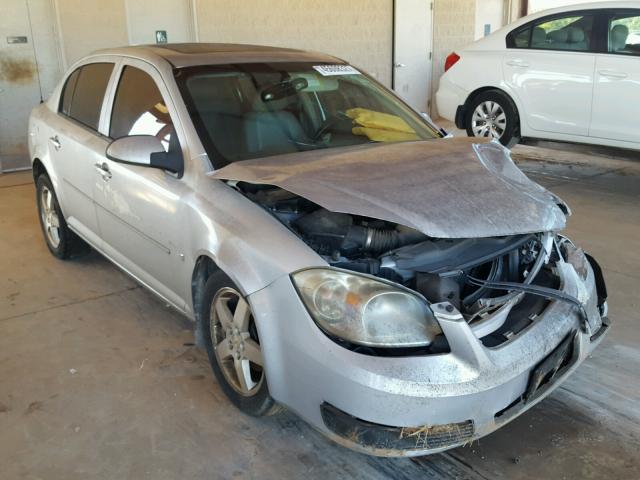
(19, 71)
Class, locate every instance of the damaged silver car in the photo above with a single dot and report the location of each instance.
(403, 292)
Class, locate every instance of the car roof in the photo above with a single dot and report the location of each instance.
(587, 6)
(191, 54)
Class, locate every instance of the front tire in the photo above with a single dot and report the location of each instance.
(61, 241)
(233, 346)
(492, 114)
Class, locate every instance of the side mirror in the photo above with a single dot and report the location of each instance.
(428, 118)
(145, 151)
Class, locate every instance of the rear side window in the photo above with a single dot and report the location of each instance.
(624, 34)
(138, 109)
(84, 91)
(67, 93)
(572, 32)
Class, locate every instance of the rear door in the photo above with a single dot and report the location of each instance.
(550, 65)
(616, 99)
(77, 145)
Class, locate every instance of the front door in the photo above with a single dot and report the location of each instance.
(142, 223)
(412, 46)
(551, 70)
(616, 98)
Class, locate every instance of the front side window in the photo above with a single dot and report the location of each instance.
(570, 33)
(624, 34)
(84, 91)
(248, 111)
(138, 109)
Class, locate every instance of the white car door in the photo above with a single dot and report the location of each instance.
(550, 66)
(617, 90)
(76, 144)
(140, 209)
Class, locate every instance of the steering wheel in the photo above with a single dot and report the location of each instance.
(329, 123)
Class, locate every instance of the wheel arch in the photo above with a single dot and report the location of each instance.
(514, 100)
(480, 90)
(203, 268)
(38, 168)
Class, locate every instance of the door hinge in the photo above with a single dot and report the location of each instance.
(430, 55)
(431, 6)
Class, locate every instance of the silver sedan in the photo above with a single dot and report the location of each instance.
(402, 291)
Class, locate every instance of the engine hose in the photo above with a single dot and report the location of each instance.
(381, 240)
(376, 240)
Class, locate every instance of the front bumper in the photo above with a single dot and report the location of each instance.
(451, 398)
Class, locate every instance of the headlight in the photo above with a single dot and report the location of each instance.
(365, 311)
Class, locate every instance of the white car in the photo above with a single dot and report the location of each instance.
(569, 74)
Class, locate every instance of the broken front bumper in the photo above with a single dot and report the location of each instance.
(395, 406)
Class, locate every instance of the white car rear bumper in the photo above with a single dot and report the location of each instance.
(448, 98)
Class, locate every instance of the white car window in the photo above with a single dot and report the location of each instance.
(624, 34)
(569, 33)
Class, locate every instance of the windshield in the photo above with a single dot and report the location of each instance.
(245, 111)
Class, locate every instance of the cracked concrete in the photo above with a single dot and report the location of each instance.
(99, 379)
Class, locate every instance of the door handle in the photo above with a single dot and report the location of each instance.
(613, 74)
(55, 141)
(400, 65)
(103, 170)
(518, 63)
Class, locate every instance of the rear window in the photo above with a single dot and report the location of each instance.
(624, 34)
(571, 32)
(84, 91)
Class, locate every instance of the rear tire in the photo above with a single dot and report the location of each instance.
(233, 346)
(492, 114)
(62, 242)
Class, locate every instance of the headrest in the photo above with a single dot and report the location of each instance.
(216, 94)
(619, 35)
(559, 36)
(539, 36)
(575, 35)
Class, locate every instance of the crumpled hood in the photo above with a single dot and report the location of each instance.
(453, 188)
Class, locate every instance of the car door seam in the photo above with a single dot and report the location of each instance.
(156, 243)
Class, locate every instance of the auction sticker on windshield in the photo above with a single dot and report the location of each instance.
(330, 70)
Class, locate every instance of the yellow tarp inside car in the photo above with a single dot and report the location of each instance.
(380, 127)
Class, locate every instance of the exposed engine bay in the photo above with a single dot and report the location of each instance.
(484, 278)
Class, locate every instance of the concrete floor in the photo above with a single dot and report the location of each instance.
(98, 379)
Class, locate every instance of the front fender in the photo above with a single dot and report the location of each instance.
(253, 248)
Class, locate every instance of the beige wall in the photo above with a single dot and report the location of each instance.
(453, 26)
(87, 25)
(359, 31)
(490, 12)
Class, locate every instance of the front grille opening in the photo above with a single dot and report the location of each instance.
(524, 313)
(381, 437)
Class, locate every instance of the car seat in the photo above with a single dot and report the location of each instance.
(270, 129)
(618, 37)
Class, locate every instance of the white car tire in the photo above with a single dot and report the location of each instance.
(492, 114)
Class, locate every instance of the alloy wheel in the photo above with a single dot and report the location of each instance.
(489, 120)
(235, 342)
(49, 216)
